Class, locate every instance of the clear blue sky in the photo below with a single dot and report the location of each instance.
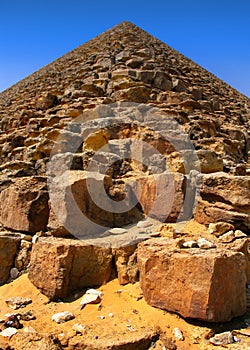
(214, 34)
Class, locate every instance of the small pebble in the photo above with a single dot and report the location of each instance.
(29, 330)
(178, 334)
(111, 314)
(62, 317)
(18, 302)
(92, 296)
(12, 322)
(14, 273)
(101, 317)
(189, 244)
(78, 328)
(118, 230)
(8, 332)
(205, 244)
(27, 316)
(144, 224)
(223, 339)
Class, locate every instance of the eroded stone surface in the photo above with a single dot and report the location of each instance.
(205, 284)
(59, 266)
(24, 205)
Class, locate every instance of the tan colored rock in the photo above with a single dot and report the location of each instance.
(138, 94)
(208, 285)
(231, 189)
(8, 250)
(205, 161)
(46, 101)
(126, 264)
(224, 197)
(161, 195)
(209, 161)
(219, 228)
(80, 204)
(242, 246)
(24, 205)
(207, 212)
(137, 340)
(35, 341)
(60, 266)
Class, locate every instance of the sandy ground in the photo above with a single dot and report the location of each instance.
(130, 314)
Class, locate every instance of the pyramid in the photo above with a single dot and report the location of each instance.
(123, 64)
(72, 127)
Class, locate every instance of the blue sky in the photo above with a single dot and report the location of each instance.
(214, 34)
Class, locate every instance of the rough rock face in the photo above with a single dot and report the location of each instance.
(59, 266)
(161, 196)
(224, 198)
(8, 250)
(24, 205)
(138, 340)
(77, 209)
(126, 264)
(206, 284)
(35, 341)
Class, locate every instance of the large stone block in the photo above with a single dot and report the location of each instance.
(80, 204)
(205, 284)
(224, 197)
(24, 205)
(161, 196)
(59, 266)
(8, 250)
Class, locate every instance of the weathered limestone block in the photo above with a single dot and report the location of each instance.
(207, 212)
(205, 284)
(24, 205)
(35, 341)
(138, 340)
(162, 81)
(226, 198)
(209, 161)
(126, 264)
(161, 195)
(204, 160)
(46, 101)
(231, 189)
(138, 94)
(59, 266)
(8, 250)
(79, 203)
(241, 245)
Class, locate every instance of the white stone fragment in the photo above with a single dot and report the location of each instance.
(62, 317)
(79, 328)
(144, 224)
(227, 237)
(205, 244)
(118, 230)
(178, 334)
(92, 296)
(8, 332)
(189, 244)
(223, 339)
